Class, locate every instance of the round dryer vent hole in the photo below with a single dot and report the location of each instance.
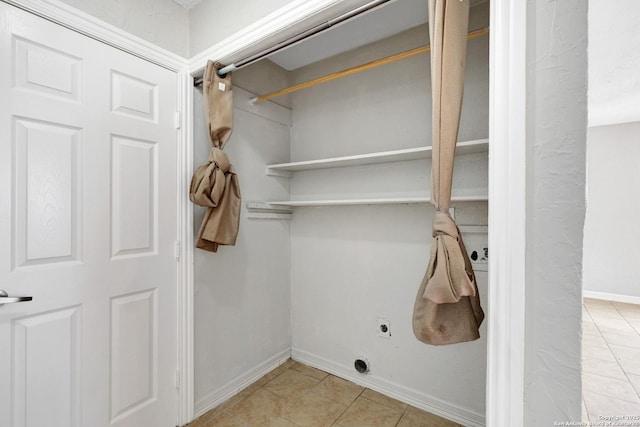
(361, 365)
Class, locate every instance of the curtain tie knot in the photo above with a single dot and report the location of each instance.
(208, 182)
(443, 224)
(220, 158)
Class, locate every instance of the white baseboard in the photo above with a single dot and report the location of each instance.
(611, 297)
(239, 383)
(391, 389)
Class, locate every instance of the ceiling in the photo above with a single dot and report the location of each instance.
(397, 16)
(389, 19)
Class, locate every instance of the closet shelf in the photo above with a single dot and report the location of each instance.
(260, 210)
(377, 201)
(286, 169)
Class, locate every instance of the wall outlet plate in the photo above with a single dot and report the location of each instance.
(384, 328)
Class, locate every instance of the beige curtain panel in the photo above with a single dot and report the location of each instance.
(215, 184)
(447, 308)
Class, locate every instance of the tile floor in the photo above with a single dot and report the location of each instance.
(610, 359)
(298, 395)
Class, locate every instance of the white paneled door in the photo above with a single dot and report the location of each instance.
(88, 203)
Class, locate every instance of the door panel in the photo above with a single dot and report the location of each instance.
(88, 203)
(52, 375)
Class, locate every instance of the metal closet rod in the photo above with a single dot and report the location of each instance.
(305, 34)
(378, 62)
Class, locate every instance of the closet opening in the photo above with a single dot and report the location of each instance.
(336, 221)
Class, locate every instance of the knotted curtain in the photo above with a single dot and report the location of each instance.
(215, 184)
(447, 308)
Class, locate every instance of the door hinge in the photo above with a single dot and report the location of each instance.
(177, 250)
(177, 379)
(177, 119)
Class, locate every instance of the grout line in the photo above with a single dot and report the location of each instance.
(626, 374)
(204, 419)
(586, 409)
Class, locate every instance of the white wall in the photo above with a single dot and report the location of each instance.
(162, 22)
(242, 292)
(214, 20)
(614, 61)
(556, 142)
(612, 230)
(351, 265)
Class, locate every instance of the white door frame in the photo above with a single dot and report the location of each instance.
(507, 186)
(83, 23)
(507, 213)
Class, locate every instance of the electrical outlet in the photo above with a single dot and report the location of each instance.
(479, 258)
(384, 328)
(479, 254)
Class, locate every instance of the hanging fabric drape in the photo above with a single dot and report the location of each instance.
(447, 308)
(215, 184)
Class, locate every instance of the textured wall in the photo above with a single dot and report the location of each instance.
(612, 230)
(161, 22)
(556, 140)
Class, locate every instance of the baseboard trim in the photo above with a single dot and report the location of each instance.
(611, 297)
(391, 389)
(233, 387)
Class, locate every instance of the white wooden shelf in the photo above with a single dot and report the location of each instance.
(260, 210)
(377, 201)
(286, 169)
(475, 229)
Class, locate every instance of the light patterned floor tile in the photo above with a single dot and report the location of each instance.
(338, 389)
(223, 421)
(613, 325)
(313, 410)
(384, 400)
(594, 340)
(618, 389)
(635, 382)
(295, 395)
(365, 412)
(624, 352)
(608, 312)
(629, 311)
(592, 302)
(234, 400)
(309, 371)
(609, 387)
(291, 384)
(414, 417)
(635, 323)
(215, 412)
(599, 405)
(585, 415)
(259, 408)
(592, 352)
(626, 340)
(605, 368)
(590, 328)
(630, 366)
(280, 422)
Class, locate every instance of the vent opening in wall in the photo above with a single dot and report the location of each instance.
(362, 365)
